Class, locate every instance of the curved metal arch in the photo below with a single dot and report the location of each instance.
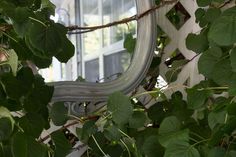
(145, 45)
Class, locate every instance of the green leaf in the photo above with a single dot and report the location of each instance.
(181, 135)
(59, 113)
(89, 128)
(35, 148)
(67, 51)
(231, 109)
(32, 124)
(19, 145)
(21, 20)
(6, 123)
(62, 145)
(222, 68)
(208, 60)
(42, 62)
(198, 92)
(197, 43)
(152, 148)
(176, 67)
(212, 14)
(67, 48)
(203, 3)
(215, 118)
(169, 124)
(12, 86)
(181, 149)
(45, 38)
(199, 13)
(216, 152)
(47, 4)
(6, 128)
(156, 113)
(26, 77)
(120, 107)
(129, 43)
(137, 120)
(223, 30)
(112, 133)
(233, 59)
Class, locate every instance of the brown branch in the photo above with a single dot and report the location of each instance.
(123, 21)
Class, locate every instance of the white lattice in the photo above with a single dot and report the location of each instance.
(190, 71)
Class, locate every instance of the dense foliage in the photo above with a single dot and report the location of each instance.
(201, 126)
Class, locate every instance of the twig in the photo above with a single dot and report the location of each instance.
(123, 21)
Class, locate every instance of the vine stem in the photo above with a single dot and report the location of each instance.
(193, 133)
(126, 147)
(9, 36)
(123, 21)
(104, 154)
(38, 21)
(205, 140)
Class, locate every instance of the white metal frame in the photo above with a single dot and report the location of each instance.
(146, 39)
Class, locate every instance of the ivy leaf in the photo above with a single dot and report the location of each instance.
(32, 124)
(152, 148)
(233, 59)
(212, 14)
(197, 43)
(89, 128)
(198, 92)
(208, 60)
(231, 109)
(137, 119)
(199, 13)
(59, 114)
(45, 38)
(19, 145)
(120, 107)
(203, 3)
(26, 77)
(129, 43)
(216, 152)
(169, 124)
(21, 20)
(181, 149)
(222, 68)
(169, 131)
(176, 67)
(6, 123)
(62, 145)
(36, 149)
(156, 113)
(47, 4)
(112, 133)
(223, 30)
(67, 51)
(215, 118)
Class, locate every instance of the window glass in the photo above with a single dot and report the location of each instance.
(90, 12)
(92, 71)
(115, 65)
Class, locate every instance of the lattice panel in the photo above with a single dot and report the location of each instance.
(178, 35)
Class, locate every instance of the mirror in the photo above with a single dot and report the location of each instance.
(141, 58)
(100, 55)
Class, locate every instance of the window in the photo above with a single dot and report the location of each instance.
(100, 55)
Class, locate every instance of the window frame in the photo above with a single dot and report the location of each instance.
(85, 91)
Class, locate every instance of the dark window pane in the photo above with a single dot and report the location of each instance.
(92, 71)
(115, 65)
